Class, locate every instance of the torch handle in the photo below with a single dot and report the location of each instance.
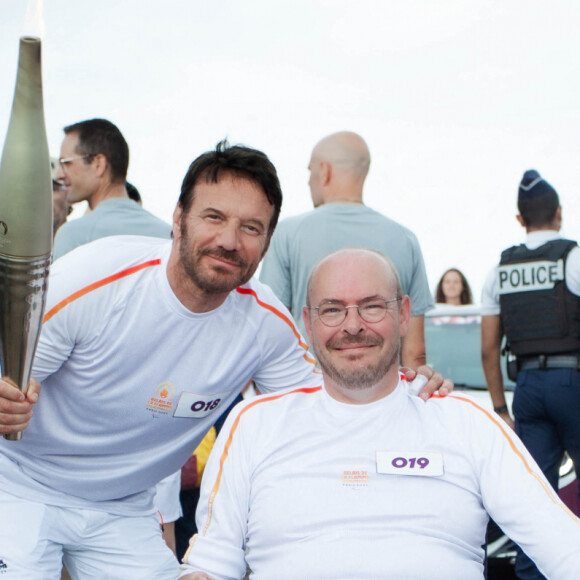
(17, 436)
(23, 284)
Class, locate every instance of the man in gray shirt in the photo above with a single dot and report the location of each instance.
(93, 167)
(338, 168)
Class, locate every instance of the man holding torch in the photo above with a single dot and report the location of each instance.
(145, 343)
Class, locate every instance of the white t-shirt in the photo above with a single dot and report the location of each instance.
(167, 500)
(132, 380)
(300, 485)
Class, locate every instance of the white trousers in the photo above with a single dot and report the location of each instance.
(35, 538)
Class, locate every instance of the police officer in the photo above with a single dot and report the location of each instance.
(533, 298)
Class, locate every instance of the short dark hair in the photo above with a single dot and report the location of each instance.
(539, 210)
(466, 297)
(101, 136)
(537, 200)
(236, 160)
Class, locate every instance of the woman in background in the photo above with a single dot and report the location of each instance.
(453, 288)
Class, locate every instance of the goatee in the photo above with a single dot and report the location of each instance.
(357, 378)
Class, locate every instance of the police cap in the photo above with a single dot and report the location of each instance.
(534, 185)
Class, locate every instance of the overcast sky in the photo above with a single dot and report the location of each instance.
(456, 99)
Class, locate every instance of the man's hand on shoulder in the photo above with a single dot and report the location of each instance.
(197, 576)
(432, 381)
(15, 406)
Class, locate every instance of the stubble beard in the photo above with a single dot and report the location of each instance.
(212, 284)
(360, 378)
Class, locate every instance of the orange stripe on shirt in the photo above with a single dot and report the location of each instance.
(96, 285)
(224, 455)
(283, 317)
(502, 427)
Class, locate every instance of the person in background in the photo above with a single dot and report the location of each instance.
(356, 478)
(60, 211)
(453, 288)
(133, 193)
(94, 159)
(338, 168)
(60, 206)
(533, 298)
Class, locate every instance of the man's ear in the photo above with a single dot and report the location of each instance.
(521, 220)
(325, 172)
(100, 164)
(177, 217)
(404, 315)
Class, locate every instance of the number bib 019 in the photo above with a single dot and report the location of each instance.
(421, 463)
(198, 406)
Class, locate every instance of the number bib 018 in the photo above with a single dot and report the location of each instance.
(197, 406)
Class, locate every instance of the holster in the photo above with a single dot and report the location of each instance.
(511, 363)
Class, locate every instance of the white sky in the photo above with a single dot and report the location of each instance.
(456, 99)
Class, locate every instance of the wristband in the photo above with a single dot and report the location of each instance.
(502, 409)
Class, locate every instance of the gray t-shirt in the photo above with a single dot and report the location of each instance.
(112, 217)
(300, 241)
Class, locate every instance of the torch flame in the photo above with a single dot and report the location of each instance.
(33, 22)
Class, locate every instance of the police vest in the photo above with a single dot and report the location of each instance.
(539, 314)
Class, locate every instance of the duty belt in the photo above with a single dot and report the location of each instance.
(556, 361)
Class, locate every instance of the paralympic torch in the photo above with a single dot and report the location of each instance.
(25, 222)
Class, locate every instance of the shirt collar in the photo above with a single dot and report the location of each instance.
(536, 239)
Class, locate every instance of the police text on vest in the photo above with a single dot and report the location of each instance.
(530, 276)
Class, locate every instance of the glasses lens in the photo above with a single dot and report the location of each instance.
(331, 314)
(373, 311)
(67, 161)
(335, 314)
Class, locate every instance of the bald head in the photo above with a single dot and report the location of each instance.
(353, 264)
(345, 150)
(339, 166)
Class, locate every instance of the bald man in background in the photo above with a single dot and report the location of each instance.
(338, 168)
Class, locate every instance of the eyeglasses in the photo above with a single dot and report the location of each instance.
(333, 314)
(63, 162)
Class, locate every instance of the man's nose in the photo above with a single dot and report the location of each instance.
(353, 323)
(228, 237)
(60, 174)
